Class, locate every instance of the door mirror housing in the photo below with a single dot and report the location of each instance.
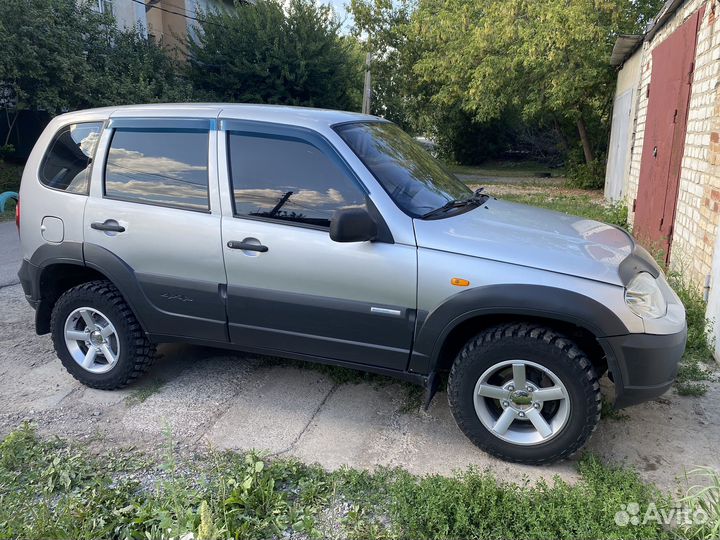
(353, 225)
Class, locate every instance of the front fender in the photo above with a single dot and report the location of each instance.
(508, 299)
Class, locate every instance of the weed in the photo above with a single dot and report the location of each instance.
(587, 175)
(698, 357)
(609, 412)
(51, 489)
(144, 391)
(703, 499)
(413, 398)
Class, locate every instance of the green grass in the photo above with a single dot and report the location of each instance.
(511, 169)
(703, 497)
(609, 412)
(53, 489)
(697, 362)
(144, 391)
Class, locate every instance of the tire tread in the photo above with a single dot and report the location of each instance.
(538, 332)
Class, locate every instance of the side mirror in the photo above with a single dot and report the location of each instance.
(353, 225)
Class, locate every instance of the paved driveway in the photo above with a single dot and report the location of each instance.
(203, 396)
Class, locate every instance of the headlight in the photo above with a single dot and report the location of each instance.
(644, 297)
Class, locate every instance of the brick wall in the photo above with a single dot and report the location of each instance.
(698, 208)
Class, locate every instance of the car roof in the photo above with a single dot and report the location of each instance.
(298, 116)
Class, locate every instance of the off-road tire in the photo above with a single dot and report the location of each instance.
(541, 345)
(136, 352)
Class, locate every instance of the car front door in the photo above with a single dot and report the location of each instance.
(290, 287)
(152, 224)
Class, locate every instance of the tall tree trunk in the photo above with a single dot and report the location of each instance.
(582, 131)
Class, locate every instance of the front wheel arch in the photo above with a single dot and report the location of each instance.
(457, 336)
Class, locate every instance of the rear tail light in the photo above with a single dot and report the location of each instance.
(17, 215)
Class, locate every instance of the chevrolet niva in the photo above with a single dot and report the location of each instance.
(333, 237)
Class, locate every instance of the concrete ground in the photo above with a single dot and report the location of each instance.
(204, 397)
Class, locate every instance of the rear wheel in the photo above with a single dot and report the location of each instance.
(524, 393)
(97, 337)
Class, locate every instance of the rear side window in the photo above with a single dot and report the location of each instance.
(288, 179)
(66, 165)
(164, 167)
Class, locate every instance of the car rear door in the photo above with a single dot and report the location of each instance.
(290, 287)
(152, 223)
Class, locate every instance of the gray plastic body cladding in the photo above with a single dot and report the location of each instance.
(527, 300)
(33, 272)
(320, 326)
(163, 304)
(638, 261)
(647, 364)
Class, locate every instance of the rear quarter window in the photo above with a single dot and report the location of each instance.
(66, 165)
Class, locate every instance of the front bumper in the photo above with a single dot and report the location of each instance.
(643, 366)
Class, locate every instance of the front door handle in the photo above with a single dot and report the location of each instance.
(109, 225)
(246, 246)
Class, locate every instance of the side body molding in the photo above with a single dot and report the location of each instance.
(519, 299)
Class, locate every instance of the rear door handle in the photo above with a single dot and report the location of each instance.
(246, 246)
(108, 225)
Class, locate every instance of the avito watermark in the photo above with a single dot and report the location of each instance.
(633, 514)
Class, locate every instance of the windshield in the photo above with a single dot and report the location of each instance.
(415, 180)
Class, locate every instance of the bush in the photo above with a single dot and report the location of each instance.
(272, 52)
(699, 351)
(587, 175)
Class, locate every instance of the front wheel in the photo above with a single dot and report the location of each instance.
(524, 393)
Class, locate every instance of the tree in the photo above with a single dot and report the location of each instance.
(59, 55)
(548, 59)
(383, 27)
(269, 53)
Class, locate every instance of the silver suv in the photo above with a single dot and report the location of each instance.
(333, 237)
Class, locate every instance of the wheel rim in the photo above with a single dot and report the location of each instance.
(522, 402)
(92, 340)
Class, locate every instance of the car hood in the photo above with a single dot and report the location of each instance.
(533, 237)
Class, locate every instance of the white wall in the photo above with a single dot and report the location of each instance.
(713, 309)
(623, 122)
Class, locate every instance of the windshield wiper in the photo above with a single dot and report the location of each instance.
(477, 198)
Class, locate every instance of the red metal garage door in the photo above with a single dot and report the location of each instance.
(666, 123)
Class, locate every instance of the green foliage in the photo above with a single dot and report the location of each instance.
(703, 498)
(10, 175)
(384, 26)
(270, 52)
(461, 139)
(477, 505)
(490, 58)
(62, 54)
(609, 412)
(694, 368)
(51, 489)
(587, 175)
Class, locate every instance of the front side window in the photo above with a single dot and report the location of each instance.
(163, 167)
(66, 166)
(413, 178)
(288, 179)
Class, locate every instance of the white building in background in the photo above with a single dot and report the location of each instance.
(167, 20)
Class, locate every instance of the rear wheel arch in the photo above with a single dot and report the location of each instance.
(54, 280)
